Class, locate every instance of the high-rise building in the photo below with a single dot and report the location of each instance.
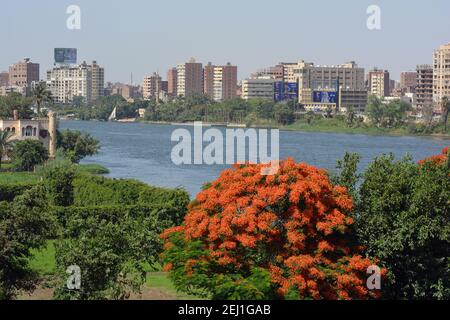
(98, 80)
(151, 86)
(189, 78)
(318, 86)
(67, 82)
(408, 81)
(379, 83)
(441, 75)
(208, 80)
(165, 86)
(4, 79)
(258, 89)
(424, 88)
(23, 74)
(220, 82)
(172, 82)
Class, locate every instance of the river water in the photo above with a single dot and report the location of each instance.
(143, 151)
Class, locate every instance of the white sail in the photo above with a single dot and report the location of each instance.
(113, 115)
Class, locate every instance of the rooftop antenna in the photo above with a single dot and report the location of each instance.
(131, 78)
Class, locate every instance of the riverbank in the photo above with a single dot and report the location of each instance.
(325, 125)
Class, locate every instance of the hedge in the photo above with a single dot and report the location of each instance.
(9, 191)
(74, 218)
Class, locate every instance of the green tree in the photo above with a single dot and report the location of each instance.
(77, 145)
(15, 101)
(403, 219)
(41, 95)
(350, 117)
(27, 154)
(58, 180)
(6, 144)
(25, 224)
(284, 113)
(113, 246)
(78, 101)
(374, 110)
(348, 175)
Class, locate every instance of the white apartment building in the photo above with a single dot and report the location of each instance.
(151, 86)
(441, 75)
(67, 82)
(218, 83)
(258, 89)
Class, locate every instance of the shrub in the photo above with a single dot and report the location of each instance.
(59, 184)
(112, 245)
(286, 235)
(91, 191)
(404, 220)
(9, 191)
(25, 224)
(77, 145)
(27, 154)
(175, 198)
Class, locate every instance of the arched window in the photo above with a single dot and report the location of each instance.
(28, 131)
(34, 132)
(13, 130)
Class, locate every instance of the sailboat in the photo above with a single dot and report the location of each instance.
(113, 116)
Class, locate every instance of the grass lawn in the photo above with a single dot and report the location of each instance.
(43, 261)
(93, 168)
(18, 177)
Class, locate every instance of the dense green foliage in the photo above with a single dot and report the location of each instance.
(203, 282)
(111, 232)
(41, 95)
(403, 218)
(15, 101)
(112, 245)
(59, 184)
(25, 224)
(9, 191)
(77, 145)
(387, 115)
(27, 154)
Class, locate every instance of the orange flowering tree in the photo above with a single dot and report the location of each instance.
(438, 159)
(250, 236)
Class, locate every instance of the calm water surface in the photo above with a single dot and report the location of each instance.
(142, 151)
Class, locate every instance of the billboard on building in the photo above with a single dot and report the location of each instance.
(279, 91)
(285, 91)
(325, 96)
(292, 90)
(66, 55)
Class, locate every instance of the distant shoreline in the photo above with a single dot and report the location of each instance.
(373, 131)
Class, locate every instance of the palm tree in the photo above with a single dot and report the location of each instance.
(445, 111)
(41, 95)
(5, 144)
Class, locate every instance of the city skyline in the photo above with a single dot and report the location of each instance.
(120, 42)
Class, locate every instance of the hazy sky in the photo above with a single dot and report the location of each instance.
(142, 36)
